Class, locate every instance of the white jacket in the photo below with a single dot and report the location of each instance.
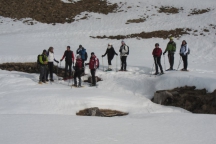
(123, 50)
(184, 49)
(51, 57)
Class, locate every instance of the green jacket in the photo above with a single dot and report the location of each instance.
(43, 58)
(171, 47)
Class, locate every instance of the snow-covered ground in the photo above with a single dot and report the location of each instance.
(32, 113)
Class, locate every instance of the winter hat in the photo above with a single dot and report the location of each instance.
(171, 38)
(122, 42)
(78, 57)
(109, 44)
(92, 53)
(68, 47)
(80, 46)
(157, 44)
(44, 51)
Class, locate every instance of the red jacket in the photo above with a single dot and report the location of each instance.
(93, 62)
(157, 52)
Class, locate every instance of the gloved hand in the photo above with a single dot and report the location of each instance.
(74, 68)
(60, 59)
(102, 56)
(164, 53)
(57, 61)
(117, 54)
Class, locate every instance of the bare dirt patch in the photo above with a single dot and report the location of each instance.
(52, 11)
(140, 20)
(169, 10)
(177, 33)
(199, 11)
(95, 111)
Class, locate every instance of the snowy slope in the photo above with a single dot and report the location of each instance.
(32, 113)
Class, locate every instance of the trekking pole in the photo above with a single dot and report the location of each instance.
(116, 63)
(102, 64)
(152, 69)
(164, 63)
(180, 60)
(57, 73)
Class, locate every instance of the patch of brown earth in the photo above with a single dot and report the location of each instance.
(199, 11)
(177, 33)
(52, 11)
(95, 111)
(169, 10)
(189, 98)
(140, 20)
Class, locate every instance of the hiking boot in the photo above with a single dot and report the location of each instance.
(156, 73)
(44, 81)
(162, 73)
(40, 82)
(47, 80)
(52, 80)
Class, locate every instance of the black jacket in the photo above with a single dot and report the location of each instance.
(110, 53)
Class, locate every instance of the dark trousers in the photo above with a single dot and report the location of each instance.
(93, 71)
(83, 66)
(123, 62)
(157, 61)
(50, 70)
(67, 64)
(109, 61)
(185, 61)
(77, 74)
(43, 70)
(171, 60)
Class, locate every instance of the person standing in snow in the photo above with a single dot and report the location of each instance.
(124, 50)
(50, 55)
(110, 51)
(157, 52)
(69, 59)
(93, 65)
(171, 48)
(78, 71)
(82, 52)
(184, 54)
(43, 61)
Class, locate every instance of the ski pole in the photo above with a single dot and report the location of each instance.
(164, 63)
(152, 69)
(180, 60)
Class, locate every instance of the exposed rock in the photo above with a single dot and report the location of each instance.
(189, 98)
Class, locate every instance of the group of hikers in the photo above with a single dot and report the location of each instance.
(46, 59)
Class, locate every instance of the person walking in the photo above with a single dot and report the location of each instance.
(82, 52)
(110, 51)
(93, 65)
(124, 51)
(157, 52)
(171, 48)
(50, 55)
(184, 54)
(78, 71)
(43, 61)
(69, 59)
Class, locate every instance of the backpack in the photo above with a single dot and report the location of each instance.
(128, 51)
(79, 64)
(38, 62)
(188, 51)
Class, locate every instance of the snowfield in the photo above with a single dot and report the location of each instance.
(46, 114)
